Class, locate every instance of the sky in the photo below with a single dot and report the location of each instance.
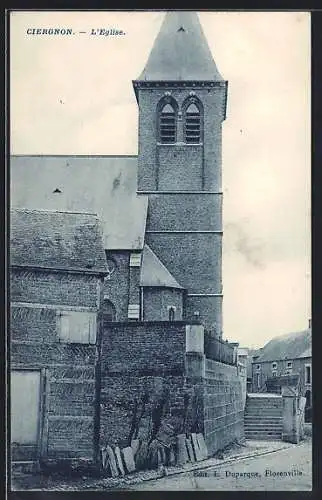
(73, 95)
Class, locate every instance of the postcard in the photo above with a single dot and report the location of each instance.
(160, 288)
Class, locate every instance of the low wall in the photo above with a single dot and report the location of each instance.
(156, 372)
(142, 380)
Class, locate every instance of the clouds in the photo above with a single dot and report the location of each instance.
(265, 56)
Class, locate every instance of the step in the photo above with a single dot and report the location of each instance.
(263, 438)
(263, 424)
(264, 404)
(256, 414)
(249, 418)
(266, 428)
(25, 466)
(273, 411)
(262, 433)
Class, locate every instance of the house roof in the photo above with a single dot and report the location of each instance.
(289, 346)
(154, 273)
(105, 185)
(180, 51)
(56, 240)
(306, 354)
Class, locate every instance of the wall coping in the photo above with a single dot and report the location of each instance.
(137, 324)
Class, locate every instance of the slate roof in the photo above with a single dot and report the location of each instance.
(180, 51)
(307, 353)
(56, 240)
(105, 185)
(289, 346)
(154, 273)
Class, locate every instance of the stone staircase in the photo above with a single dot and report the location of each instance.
(263, 416)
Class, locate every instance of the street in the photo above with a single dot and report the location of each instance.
(288, 469)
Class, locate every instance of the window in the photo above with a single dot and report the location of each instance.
(274, 365)
(111, 267)
(135, 260)
(274, 373)
(192, 131)
(289, 364)
(258, 380)
(109, 311)
(133, 311)
(307, 374)
(167, 124)
(77, 327)
(171, 313)
(258, 367)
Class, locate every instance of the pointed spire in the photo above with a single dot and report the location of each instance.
(180, 51)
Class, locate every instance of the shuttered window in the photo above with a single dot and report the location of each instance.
(192, 124)
(133, 311)
(167, 124)
(77, 327)
(135, 260)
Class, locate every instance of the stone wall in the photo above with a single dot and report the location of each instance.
(224, 409)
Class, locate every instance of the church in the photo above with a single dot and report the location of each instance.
(162, 209)
(160, 292)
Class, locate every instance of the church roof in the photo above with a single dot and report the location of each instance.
(289, 346)
(154, 273)
(105, 185)
(180, 51)
(56, 240)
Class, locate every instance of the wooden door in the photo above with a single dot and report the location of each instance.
(25, 410)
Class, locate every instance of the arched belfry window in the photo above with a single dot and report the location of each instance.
(167, 123)
(192, 123)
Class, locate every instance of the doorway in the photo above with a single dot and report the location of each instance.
(25, 411)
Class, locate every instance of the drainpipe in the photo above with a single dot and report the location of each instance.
(141, 304)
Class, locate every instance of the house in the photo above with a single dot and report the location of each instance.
(288, 354)
(57, 268)
(161, 254)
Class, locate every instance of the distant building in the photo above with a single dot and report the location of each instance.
(56, 276)
(285, 355)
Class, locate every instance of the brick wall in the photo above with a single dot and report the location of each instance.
(213, 103)
(117, 288)
(157, 300)
(67, 371)
(53, 288)
(143, 362)
(194, 259)
(140, 359)
(199, 272)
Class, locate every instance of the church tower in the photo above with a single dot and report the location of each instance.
(182, 104)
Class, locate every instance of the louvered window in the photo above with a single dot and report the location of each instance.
(192, 124)
(167, 124)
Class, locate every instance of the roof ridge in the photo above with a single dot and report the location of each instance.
(43, 210)
(71, 156)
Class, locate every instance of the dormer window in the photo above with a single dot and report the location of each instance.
(192, 130)
(167, 124)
